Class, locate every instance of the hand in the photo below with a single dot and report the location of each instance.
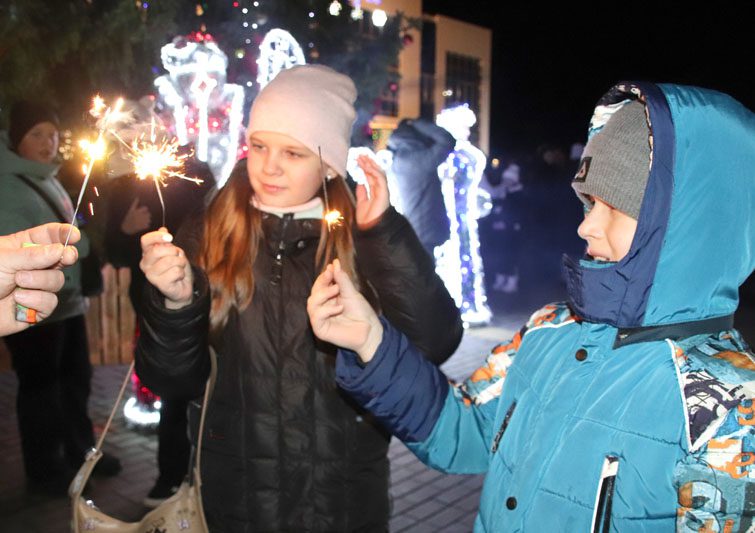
(371, 208)
(31, 275)
(137, 218)
(339, 314)
(165, 266)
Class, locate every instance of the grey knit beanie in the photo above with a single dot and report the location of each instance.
(616, 162)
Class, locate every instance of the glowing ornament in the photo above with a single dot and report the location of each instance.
(458, 260)
(278, 51)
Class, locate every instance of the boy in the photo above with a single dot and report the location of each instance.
(629, 408)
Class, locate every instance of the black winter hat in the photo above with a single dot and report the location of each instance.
(24, 115)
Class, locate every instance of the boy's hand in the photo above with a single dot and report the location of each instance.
(340, 315)
(30, 275)
(371, 208)
(165, 266)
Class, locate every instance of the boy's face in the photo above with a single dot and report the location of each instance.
(608, 232)
(40, 143)
(282, 171)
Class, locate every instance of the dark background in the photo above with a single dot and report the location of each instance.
(550, 65)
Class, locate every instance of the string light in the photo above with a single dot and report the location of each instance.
(379, 18)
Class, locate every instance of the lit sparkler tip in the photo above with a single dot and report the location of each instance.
(98, 105)
(94, 150)
(158, 161)
(333, 218)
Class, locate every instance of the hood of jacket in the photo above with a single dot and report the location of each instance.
(695, 239)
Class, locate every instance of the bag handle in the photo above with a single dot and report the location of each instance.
(94, 454)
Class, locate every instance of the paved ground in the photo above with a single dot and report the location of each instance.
(423, 500)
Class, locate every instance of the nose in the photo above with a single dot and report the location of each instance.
(590, 227)
(270, 164)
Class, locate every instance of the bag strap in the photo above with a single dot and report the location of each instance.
(36, 188)
(207, 392)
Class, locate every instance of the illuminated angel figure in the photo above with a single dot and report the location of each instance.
(458, 260)
(204, 110)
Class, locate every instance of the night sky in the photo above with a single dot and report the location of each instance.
(550, 67)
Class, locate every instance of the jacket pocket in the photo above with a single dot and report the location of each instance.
(502, 429)
(601, 518)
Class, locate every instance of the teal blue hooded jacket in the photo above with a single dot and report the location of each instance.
(629, 408)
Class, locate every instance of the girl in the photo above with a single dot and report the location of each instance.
(284, 448)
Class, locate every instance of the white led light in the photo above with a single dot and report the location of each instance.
(379, 18)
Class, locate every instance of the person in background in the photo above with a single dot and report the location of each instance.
(51, 360)
(133, 210)
(631, 406)
(418, 147)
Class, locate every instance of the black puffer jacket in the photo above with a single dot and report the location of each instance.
(285, 449)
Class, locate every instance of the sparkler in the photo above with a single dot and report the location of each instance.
(95, 150)
(332, 217)
(158, 161)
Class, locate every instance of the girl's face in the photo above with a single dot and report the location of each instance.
(282, 171)
(40, 143)
(608, 232)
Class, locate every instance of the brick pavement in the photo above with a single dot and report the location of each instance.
(423, 499)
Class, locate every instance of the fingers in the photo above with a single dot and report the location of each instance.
(32, 257)
(361, 194)
(324, 279)
(41, 301)
(160, 236)
(343, 280)
(134, 204)
(45, 280)
(51, 233)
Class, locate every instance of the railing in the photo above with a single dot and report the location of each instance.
(110, 322)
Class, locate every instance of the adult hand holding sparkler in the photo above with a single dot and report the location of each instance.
(166, 267)
(370, 207)
(30, 263)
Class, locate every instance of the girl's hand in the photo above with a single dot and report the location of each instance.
(339, 314)
(166, 267)
(370, 209)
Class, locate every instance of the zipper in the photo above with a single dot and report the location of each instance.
(280, 250)
(601, 520)
(502, 429)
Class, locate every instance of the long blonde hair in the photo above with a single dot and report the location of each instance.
(232, 235)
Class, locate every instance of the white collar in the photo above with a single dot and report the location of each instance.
(311, 209)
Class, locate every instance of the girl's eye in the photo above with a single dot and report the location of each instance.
(292, 154)
(257, 147)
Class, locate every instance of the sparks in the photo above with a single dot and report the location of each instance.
(158, 161)
(91, 209)
(94, 150)
(333, 218)
(98, 106)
